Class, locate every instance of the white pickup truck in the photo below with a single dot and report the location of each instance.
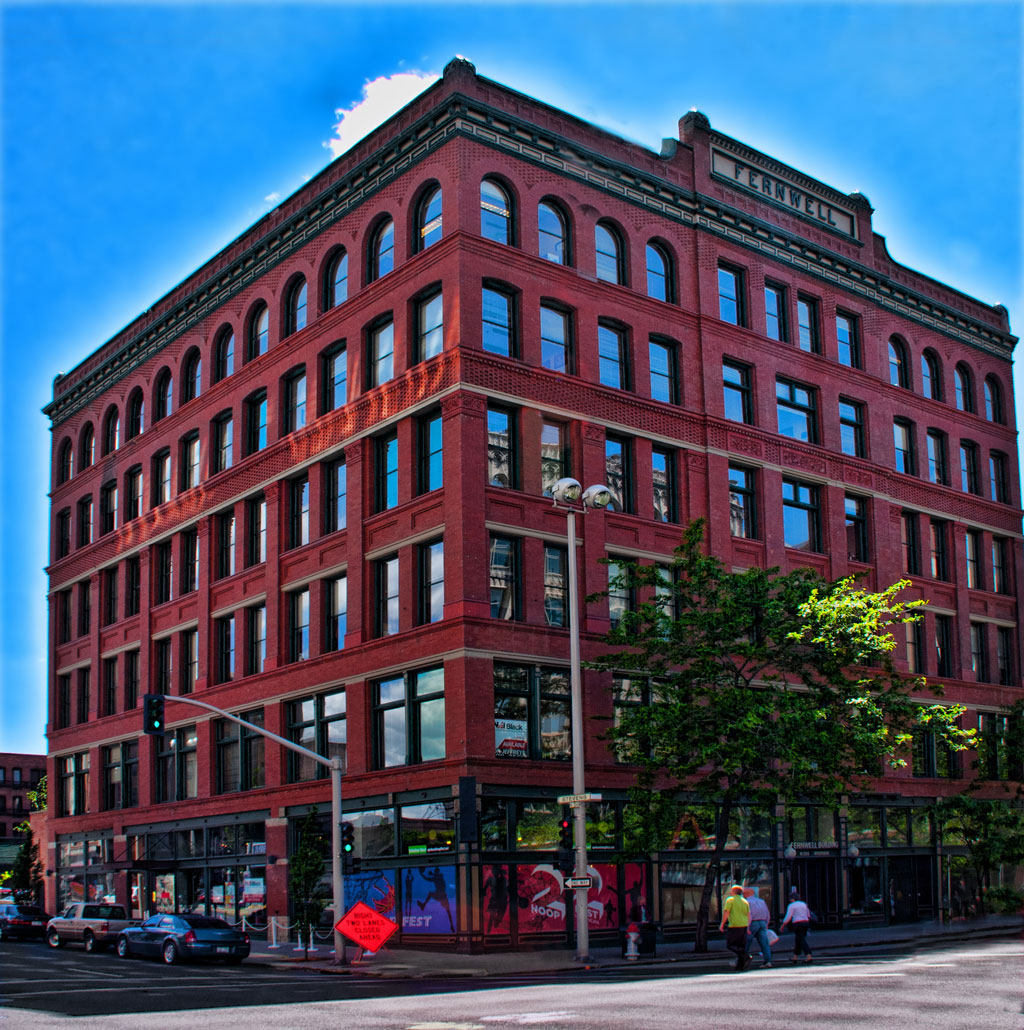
(95, 925)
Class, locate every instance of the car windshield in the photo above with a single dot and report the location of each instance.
(206, 923)
(27, 910)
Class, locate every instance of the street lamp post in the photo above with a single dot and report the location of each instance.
(568, 493)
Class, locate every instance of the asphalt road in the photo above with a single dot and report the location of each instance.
(970, 986)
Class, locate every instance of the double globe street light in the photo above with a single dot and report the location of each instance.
(569, 494)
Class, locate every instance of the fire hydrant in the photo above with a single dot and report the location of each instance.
(632, 942)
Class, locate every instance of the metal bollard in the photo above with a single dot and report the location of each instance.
(273, 933)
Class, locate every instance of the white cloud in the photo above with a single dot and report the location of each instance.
(382, 98)
(272, 198)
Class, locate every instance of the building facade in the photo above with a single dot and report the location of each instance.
(308, 486)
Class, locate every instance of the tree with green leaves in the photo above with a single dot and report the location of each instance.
(766, 687)
(26, 879)
(305, 878)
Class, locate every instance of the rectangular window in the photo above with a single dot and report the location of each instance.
(298, 625)
(775, 311)
(429, 327)
(431, 574)
(1000, 566)
(109, 686)
(531, 712)
(386, 478)
(108, 508)
(189, 660)
(163, 569)
(807, 324)
(848, 340)
(256, 422)
(176, 767)
(940, 553)
(408, 715)
(915, 648)
(554, 456)
(502, 459)
(979, 652)
(910, 541)
(556, 604)
(110, 577)
(73, 784)
(938, 465)
(63, 616)
(620, 596)
(257, 618)
(737, 392)
(161, 477)
(1004, 656)
(972, 547)
(994, 758)
(63, 713)
(163, 665)
(999, 489)
(903, 443)
(943, 645)
(742, 502)
(298, 511)
(131, 680)
(224, 645)
(335, 496)
(856, 528)
(851, 427)
(612, 357)
(555, 340)
(84, 690)
(664, 371)
(932, 757)
(498, 326)
(294, 401)
(335, 613)
(132, 494)
(121, 775)
(189, 560)
(430, 453)
(63, 533)
(663, 481)
(618, 461)
(388, 606)
(382, 353)
(85, 521)
(970, 474)
(334, 373)
(240, 754)
(223, 442)
(504, 578)
(256, 512)
(319, 724)
(797, 410)
(730, 295)
(190, 461)
(225, 544)
(801, 515)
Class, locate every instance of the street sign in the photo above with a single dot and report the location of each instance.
(366, 927)
(578, 799)
(578, 881)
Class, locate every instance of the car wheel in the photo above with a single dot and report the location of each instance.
(54, 939)
(170, 953)
(89, 941)
(122, 947)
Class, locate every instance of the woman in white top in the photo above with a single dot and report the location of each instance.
(800, 916)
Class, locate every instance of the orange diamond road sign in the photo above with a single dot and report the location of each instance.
(369, 929)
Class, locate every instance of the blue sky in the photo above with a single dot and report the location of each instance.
(138, 140)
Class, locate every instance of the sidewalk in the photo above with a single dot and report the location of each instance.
(407, 963)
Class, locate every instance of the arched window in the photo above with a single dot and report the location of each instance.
(191, 376)
(659, 272)
(259, 332)
(66, 462)
(111, 431)
(963, 388)
(495, 212)
(429, 226)
(224, 355)
(931, 375)
(609, 265)
(899, 371)
(87, 448)
(553, 234)
(336, 281)
(163, 396)
(295, 307)
(993, 400)
(136, 414)
(382, 250)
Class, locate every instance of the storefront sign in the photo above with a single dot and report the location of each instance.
(510, 738)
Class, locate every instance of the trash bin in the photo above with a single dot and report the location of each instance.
(647, 946)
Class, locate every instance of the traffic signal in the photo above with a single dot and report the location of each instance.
(566, 857)
(348, 849)
(153, 714)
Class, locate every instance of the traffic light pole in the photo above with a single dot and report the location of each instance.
(334, 764)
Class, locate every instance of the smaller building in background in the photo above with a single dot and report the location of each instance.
(18, 775)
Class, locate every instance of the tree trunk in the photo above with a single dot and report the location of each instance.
(711, 877)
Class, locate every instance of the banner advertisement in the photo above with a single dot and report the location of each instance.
(510, 738)
(376, 889)
(428, 900)
(496, 897)
(540, 901)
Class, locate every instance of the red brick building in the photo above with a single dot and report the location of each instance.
(307, 486)
(19, 773)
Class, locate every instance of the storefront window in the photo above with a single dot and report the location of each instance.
(192, 896)
(494, 825)
(601, 825)
(864, 827)
(920, 828)
(163, 892)
(749, 828)
(427, 828)
(896, 835)
(865, 879)
(253, 900)
(222, 893)
(100, 887)
(537, 826)
(695, 829)
(374, 832)
(188, 843)
(682, 884)
(94, 852)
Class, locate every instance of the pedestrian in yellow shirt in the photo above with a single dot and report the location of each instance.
(736, 913)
